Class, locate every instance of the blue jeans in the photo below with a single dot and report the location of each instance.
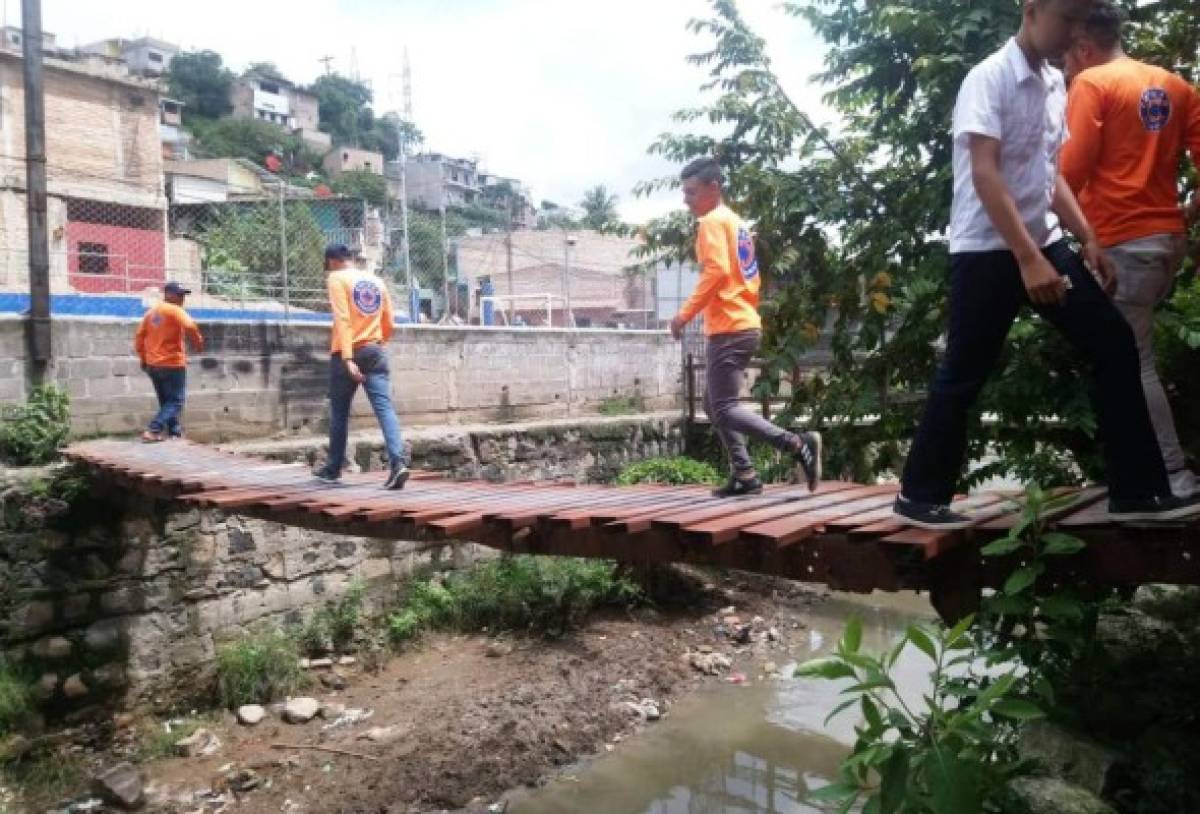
(170, 385)
(372, 360)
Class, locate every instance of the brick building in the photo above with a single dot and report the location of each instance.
(273, 99)
(106, 210)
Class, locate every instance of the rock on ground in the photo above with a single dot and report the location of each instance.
(1066, 755)
(301, 710)
(251, 714)
(200, 743)
(1049, 795)
(121, 786)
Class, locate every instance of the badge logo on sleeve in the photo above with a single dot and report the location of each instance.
(746, 258)
(1155, 109)
(367, 297)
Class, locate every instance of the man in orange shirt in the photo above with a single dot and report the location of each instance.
(1130, 124)
(727, 296)
(159, 345)
(362, 324)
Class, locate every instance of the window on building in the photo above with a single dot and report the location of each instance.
(14, 38)
(367, 166)
(269, 87)
(93, 258)
(155, 57)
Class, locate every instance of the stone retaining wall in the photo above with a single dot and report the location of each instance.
(126, 599)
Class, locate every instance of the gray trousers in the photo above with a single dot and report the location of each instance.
(1145, 271)
(726, 359)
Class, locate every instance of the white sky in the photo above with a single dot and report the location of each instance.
(559, 94)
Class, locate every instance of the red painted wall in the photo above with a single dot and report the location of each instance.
(135, 258)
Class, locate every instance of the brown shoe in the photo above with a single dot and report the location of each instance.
(150, 437)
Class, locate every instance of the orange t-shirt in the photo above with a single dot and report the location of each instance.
(159, 338)
(1130, 123)
(727, 293)
(362, 310)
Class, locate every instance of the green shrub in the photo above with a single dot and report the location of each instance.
(674, 471)
(32, 433)
(16, 699)
(334, 626)
(545, 594)
(1178, 338)
(623, 405)
(258, 669)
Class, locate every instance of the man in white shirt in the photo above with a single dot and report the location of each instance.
(1007, 249)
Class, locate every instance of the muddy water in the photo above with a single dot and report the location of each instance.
(751, 749)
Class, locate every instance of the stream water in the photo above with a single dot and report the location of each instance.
(757, 748)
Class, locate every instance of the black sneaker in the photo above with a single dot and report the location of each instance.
(325, 476)
(934, 516)
(808, 458)
(737, 487)
(1154, 509)
(397, 477)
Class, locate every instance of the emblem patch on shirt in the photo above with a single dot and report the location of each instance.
(746, 258)
(156, 320)
(1155, 109)
(367, 297)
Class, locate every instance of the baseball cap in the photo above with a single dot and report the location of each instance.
(176, 289)
(338, 251)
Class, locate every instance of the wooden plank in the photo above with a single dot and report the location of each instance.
(790, 530)
(726, 529)
(732, 507)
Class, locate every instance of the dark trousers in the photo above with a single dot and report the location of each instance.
(726, 358)
(986, 293)
(170, 386)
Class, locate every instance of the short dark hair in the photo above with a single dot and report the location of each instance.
(1104, 23)
(706, 170)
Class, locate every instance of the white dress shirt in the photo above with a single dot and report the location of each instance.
(1005, 99)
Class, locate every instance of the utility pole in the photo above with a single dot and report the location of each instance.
(328, 63)
(445, 264)
(35, 189)
(508, 260)
(568, 241)
(414, 297)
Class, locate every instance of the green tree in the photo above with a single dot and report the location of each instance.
(599, 210)
(201, 81)
(553, 216)
(253, 140)
(875, 292)
(369, 186)
(346, 114)
(266, 70)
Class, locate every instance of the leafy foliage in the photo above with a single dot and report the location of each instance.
(16, 698)
(850, 226)
(545, 594)
(953, 752)
(346, 114)
(1178, 339)
(254, 140)
(599, 210)
(238, 262)
(258, 669)
(368, 186)
(672, 471)
(201, 81)
(334, 626)
(32, 433)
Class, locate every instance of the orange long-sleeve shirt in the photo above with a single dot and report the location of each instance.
(727, 293)
(362, 310)
(1130, 123)
(159, 338)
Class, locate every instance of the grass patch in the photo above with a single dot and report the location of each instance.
(16, 699)
(617, 405)
(42, 779)
(258, 669)
(672, 471)
(543, 594)
(158, 738)
(334, 626)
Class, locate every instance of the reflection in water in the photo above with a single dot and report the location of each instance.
(757, 749)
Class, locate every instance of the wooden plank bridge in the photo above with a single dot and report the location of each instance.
(843, 535)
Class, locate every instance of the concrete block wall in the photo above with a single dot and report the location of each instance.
(257, 379)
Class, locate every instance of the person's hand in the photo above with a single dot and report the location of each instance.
(354, 372)
(1100, 266)
(1043, 282)
(677, 326)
